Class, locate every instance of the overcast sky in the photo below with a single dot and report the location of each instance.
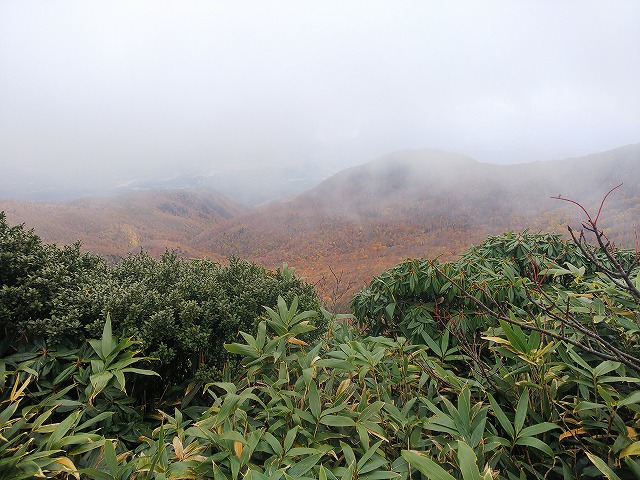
(104, 90)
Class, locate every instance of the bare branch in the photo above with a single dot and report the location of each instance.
(602, 204)
(618, 272)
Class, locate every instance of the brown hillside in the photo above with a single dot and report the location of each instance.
(421, 203)
(424, 204)
(114, 225)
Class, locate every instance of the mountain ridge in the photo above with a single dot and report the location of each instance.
(411, 203)
(369, 217)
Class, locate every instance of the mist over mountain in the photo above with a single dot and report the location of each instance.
(247, 184)
(250, 184)
(409, 182)
(411, 203)
(427, 203)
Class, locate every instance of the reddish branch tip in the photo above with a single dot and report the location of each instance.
(591, 221)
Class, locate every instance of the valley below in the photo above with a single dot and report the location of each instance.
(357, 223)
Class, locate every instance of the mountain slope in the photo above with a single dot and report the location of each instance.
(425, 203)
(112, 226)
(415, 203)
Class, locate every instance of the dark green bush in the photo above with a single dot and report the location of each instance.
(182, 310)
(37, 282)
(416, 296)
(185, 310)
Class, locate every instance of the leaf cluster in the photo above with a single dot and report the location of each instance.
(542, 333)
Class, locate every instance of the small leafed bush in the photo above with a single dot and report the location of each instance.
(181, 310)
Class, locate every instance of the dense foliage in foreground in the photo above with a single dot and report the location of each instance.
(537, 383)
(538, 329)
(182, 310)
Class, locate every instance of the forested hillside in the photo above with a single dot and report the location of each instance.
(149, 220)
(425, 203)
(520, 359)
(421, 203)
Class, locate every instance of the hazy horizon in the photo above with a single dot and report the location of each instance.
(95, 93)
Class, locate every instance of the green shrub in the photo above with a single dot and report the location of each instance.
(57, 405)
(539, 331)
(37, 282)
(182, 310)
(518, 404)
(421, 297)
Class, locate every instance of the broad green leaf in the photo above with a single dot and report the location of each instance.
(582, 406)
(304, 465)
(273, 443)
(99, 382)
(228, 387)
(363, 435)
(38, 421)
(262, 335)
(337, 421)
(537, 429)
(468, 462)
(250, 340)
(229, 405)
(94, 474)
(140, 371)
(633, 465)
(374, 464)
(314, 400)
(375, 430)
(123, 362)
(633, 449)
(535, 443)
(632, 399)
(62, 375)
(305, 415)
(218, 474)
(290, 438)
(433, 345)
(380, 475)
(8, 412)
(521, 411)
(87, 447)
(370, 411)
(349, 456)
(426, 466)
(605, 367)
(107, 341)
(75, 439)
(110, 457)
(579, 360)
(515, 335)
(325, 474)
(61, 430)
(368, 454)
(347, 474)
(389, 310)
(336, 363)
(301, 451)
(602, 466)
(233, 436)
(120, 379)
(240, 349)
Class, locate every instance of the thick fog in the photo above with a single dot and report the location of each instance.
(104, 93)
